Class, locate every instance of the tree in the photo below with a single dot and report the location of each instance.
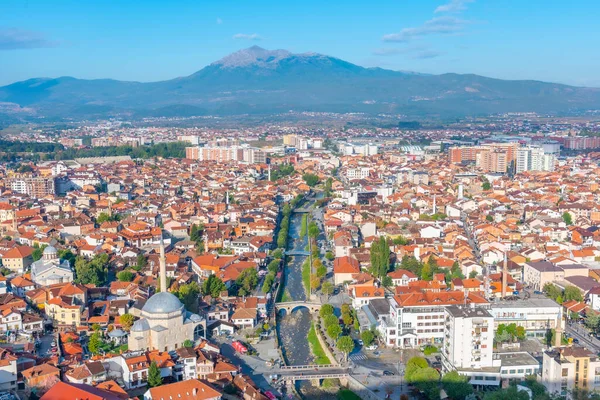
(311, 179)
(489, 218)
(213, 286)
(567, 218)
(188, 294)
(188, 343)
(457, 386)
(95, 343)
(140, 263)
(268, 282)
(486, 185)
(334, 330)
(277, 253)
(592, 320)
(127, 321)
(572, 293)
(427, 380)
(154, 378)
(367, 337)
(509, 393)
(313, 230)
(94, 271)
(247, 281)
(274, 265)
(380, 257)
(329, 255)
(37, 252)
(552, 291)
(326, 310)
(414, 364)
(345, 344)
(473, 274)
(125, 276)
(426, 272)
(327, 288)
(315, 282)
(330, 320)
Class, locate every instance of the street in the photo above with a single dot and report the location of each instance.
(582, 334)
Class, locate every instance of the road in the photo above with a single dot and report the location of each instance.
(585, 339)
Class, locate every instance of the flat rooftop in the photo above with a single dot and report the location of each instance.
(535, 300)
(516, 359)
(468, 312)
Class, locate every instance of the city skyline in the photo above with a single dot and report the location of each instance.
(158, 42)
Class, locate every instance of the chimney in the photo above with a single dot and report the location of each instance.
(195, 391)
(504, 275)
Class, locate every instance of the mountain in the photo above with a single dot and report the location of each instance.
(256, 80)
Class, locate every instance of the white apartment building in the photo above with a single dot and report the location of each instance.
(358, 173)
(534, 159)
(468, 349)
(418, 319)
(468, 337)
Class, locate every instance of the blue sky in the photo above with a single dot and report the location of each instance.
(156, 40)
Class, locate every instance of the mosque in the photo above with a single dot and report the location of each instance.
(165, 324)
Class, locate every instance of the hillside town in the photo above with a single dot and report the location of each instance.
(289, 262)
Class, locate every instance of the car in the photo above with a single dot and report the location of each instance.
(575, 340)
(537, 292)
(388, 373)
(372, 347)
(360, 342)
(376, 353)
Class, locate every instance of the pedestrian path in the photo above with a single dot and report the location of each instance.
(357, 357)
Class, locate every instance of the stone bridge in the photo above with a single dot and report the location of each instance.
(290, 306)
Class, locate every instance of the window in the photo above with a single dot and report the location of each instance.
(565, 372)
(406, 324)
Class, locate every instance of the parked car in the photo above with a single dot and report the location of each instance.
(388, 373)
(372, 347)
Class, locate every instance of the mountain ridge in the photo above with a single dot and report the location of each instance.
(265, 81)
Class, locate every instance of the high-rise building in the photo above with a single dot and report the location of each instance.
(534, 159)
(33, 186)
(468, 337)
(250, 155)
(493, 160)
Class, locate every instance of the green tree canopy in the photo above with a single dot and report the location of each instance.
(457, 386)
(311, 179)
(247, 281)
(154, 378)
(367, 337)
(125, 276)
(345, 344)
(213, 286)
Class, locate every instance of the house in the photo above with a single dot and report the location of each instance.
(41, 377)
(21, 285)
(244, 318)
(344, 268)
(64, 390)
(192, 389)
(402, 277)
(18, 259)
(88, 372)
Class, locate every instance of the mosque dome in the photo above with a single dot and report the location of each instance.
(162, 303)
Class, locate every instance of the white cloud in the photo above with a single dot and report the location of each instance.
(247, 36)
(219, 21)
(435, 26)
(15, 39)
(453, 6)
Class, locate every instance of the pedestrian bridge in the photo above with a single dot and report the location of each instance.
(314, 375)
(297, 253)
(290, 306)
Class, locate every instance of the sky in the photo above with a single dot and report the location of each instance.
(155, 40)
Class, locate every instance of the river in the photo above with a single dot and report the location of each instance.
(293, 328)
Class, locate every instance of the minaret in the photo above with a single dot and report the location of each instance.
(269, 172)
(461, 191)
(434, 205)
(109, 208)
(163, 266)
(504, 275)
(227, 199)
